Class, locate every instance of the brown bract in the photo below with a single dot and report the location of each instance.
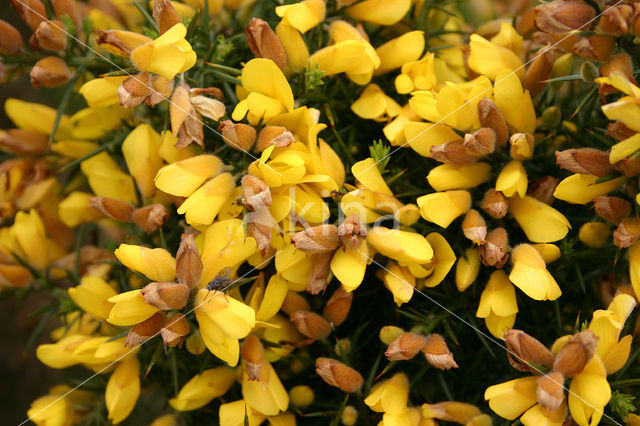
(166, 296)
(406, 346)
(252, 353)
(264, 43)
(311, 324)
(338, 306)
(112, 208)
(150, 217)
(522, 349)
(437, 353)
(188, 263)
(338, 374)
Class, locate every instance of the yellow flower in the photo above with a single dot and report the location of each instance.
(107, 180)
(60, 354)
(303, 15)
(390, 396)
(182, 178)
(33, 116)
(205, 203)
(405, 247)
(202, 388)
(512, 179)
(400, 50)
(442, 208)
(589, 393)
(167, 55)
(75, 209)
(498, 305)
(123, 390)
(594, 234)
(512, 398)
(50, 410)
(383, 12)
(627, 108)
(98, 352)
(102, 92)
(29, 235)
(422, 136)
(450, 176)
(624, 148)
(349, 266)
(399, 281)
(507, 93)
(607, 325)
(92, 296)
(236, 413)
(294, 47)
(539, 221)
(443, 260)
(634, 267)
(394, 130)
(294, 266)
(267, 92)
(373, 104)
(129, 308)
(266, 301)
(581, 189)
(530, 274)
(156, 264)
(140, 151)
(94, 123)
(265, 395)
(166, 420)
(489, 58)
(467, 268)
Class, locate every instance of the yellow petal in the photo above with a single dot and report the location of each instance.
(512, 180)
(349, 266)
(539, 221)
(581, 189)
(444, 256)
(382, 12)
(422, 136)
(403, 246)
(442, 208)
(451, 176)
(395, 53)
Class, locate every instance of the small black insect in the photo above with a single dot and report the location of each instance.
(221, 281)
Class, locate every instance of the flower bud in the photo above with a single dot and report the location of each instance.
(255, 193)
(151, 217)
(523, 349)
(521, 146)
(542, 189)
(349, 414)
(495, 204)
(174, 330)
(51, 35)
(437, 353)
(301, 396)
(474, 227)
(31, 11)
(491, 117)
(338, 374)
(467, 268)
(618, 131)
(551, 116)
(112, 208)
(274, 135)
(252, 353)
(319, 275)
(165, 15)
(69, 8)
(406, 346)
(10, 39)
(596, 47)
(612, 209)
(49, 72)
(594, 234)
(627, 232)
(311, 324)
(389, 333)
(264, 43)
(166, 295)
(616, 20)
(560, 17)
(538, 71)
(134, 90)
(195, 344)
(550, 391)
(585, 161)
(588, 72)
(24, 141)
(351, 232)
(294, 302)
(578, 351)
(481, 142)
(188, 263)
(495, 252)
(237, 135)
(317, 239)
(145, 330)
(338, 306)
(452, 152)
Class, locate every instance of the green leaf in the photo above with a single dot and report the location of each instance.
(380, 154)
(622, 404)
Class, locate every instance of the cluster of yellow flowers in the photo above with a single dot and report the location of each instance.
(210, 229)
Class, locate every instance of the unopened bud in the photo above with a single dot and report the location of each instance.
(311, 324)
(452, 152)
(437, 352)
(616, 20)
(165, 15)
(574, 355)
(406, 346)
(474, 227)
(586, 161)
(542, 189)
(588, 72)
(10, 39)
(31, 11)
(301, 396)
(523, 349)
(24, 141)
(551, 117)
(550, 391)
(618, 131)
(151, 217)
(560, 17)
(49, 72)
(338, 306)
(594, 234)
(70, 8)
(255, 193)
(252, 353)
(318, 239)
(188, 263)
(352, 232)
(294, 302)
(195, 345)
(521, 146)
(538, 72)
(613, 209)
(166, 296)
(319, 274)
(237, 135)
(134, 90)
(596, 47)
(491, 117)
(112, 208)
(264, 43)
(495, 252)
(174, 330)
(338, 374)
(495, 204)
(350, 413)
(481, 142)
(389, 333)
(145, 330)
(274, 135)
(51, 35)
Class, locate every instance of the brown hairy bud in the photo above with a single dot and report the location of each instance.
(495, 204)
(452, 152)
(521, 146)
(618, 131)
(255, 193)
(274, 135)
(578, 351)
(481, 142)
(563, 16)
(32, 12)
(630, 167)
(352, 232)
(151, 217)
(596, 47)
(613, 209)
(134, 90)
(317, 239)
(406, 346)
(50, 35)
(437, 353)
(188, 263)
(162, 88)
(166, 296)
(338, 374)
(260, 227)
(191, 130)
(210, 91)
(338, 306)
(174, 330)
(252, 353)
(616, 21)
(586, 161)
(10, 39)
(524, 349)
(495, 252)
(627, 232)
(550, 391)
(294, 302)
(264, 43)
(165, 15)
(50, 72)
(70, 8)
(311, 324)
(474, 227)
(112, 208)
(319, 276)
(145, 330)
(24, 141)
(491, 117)
(542, 189)
(237, 135)
(538, 72)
